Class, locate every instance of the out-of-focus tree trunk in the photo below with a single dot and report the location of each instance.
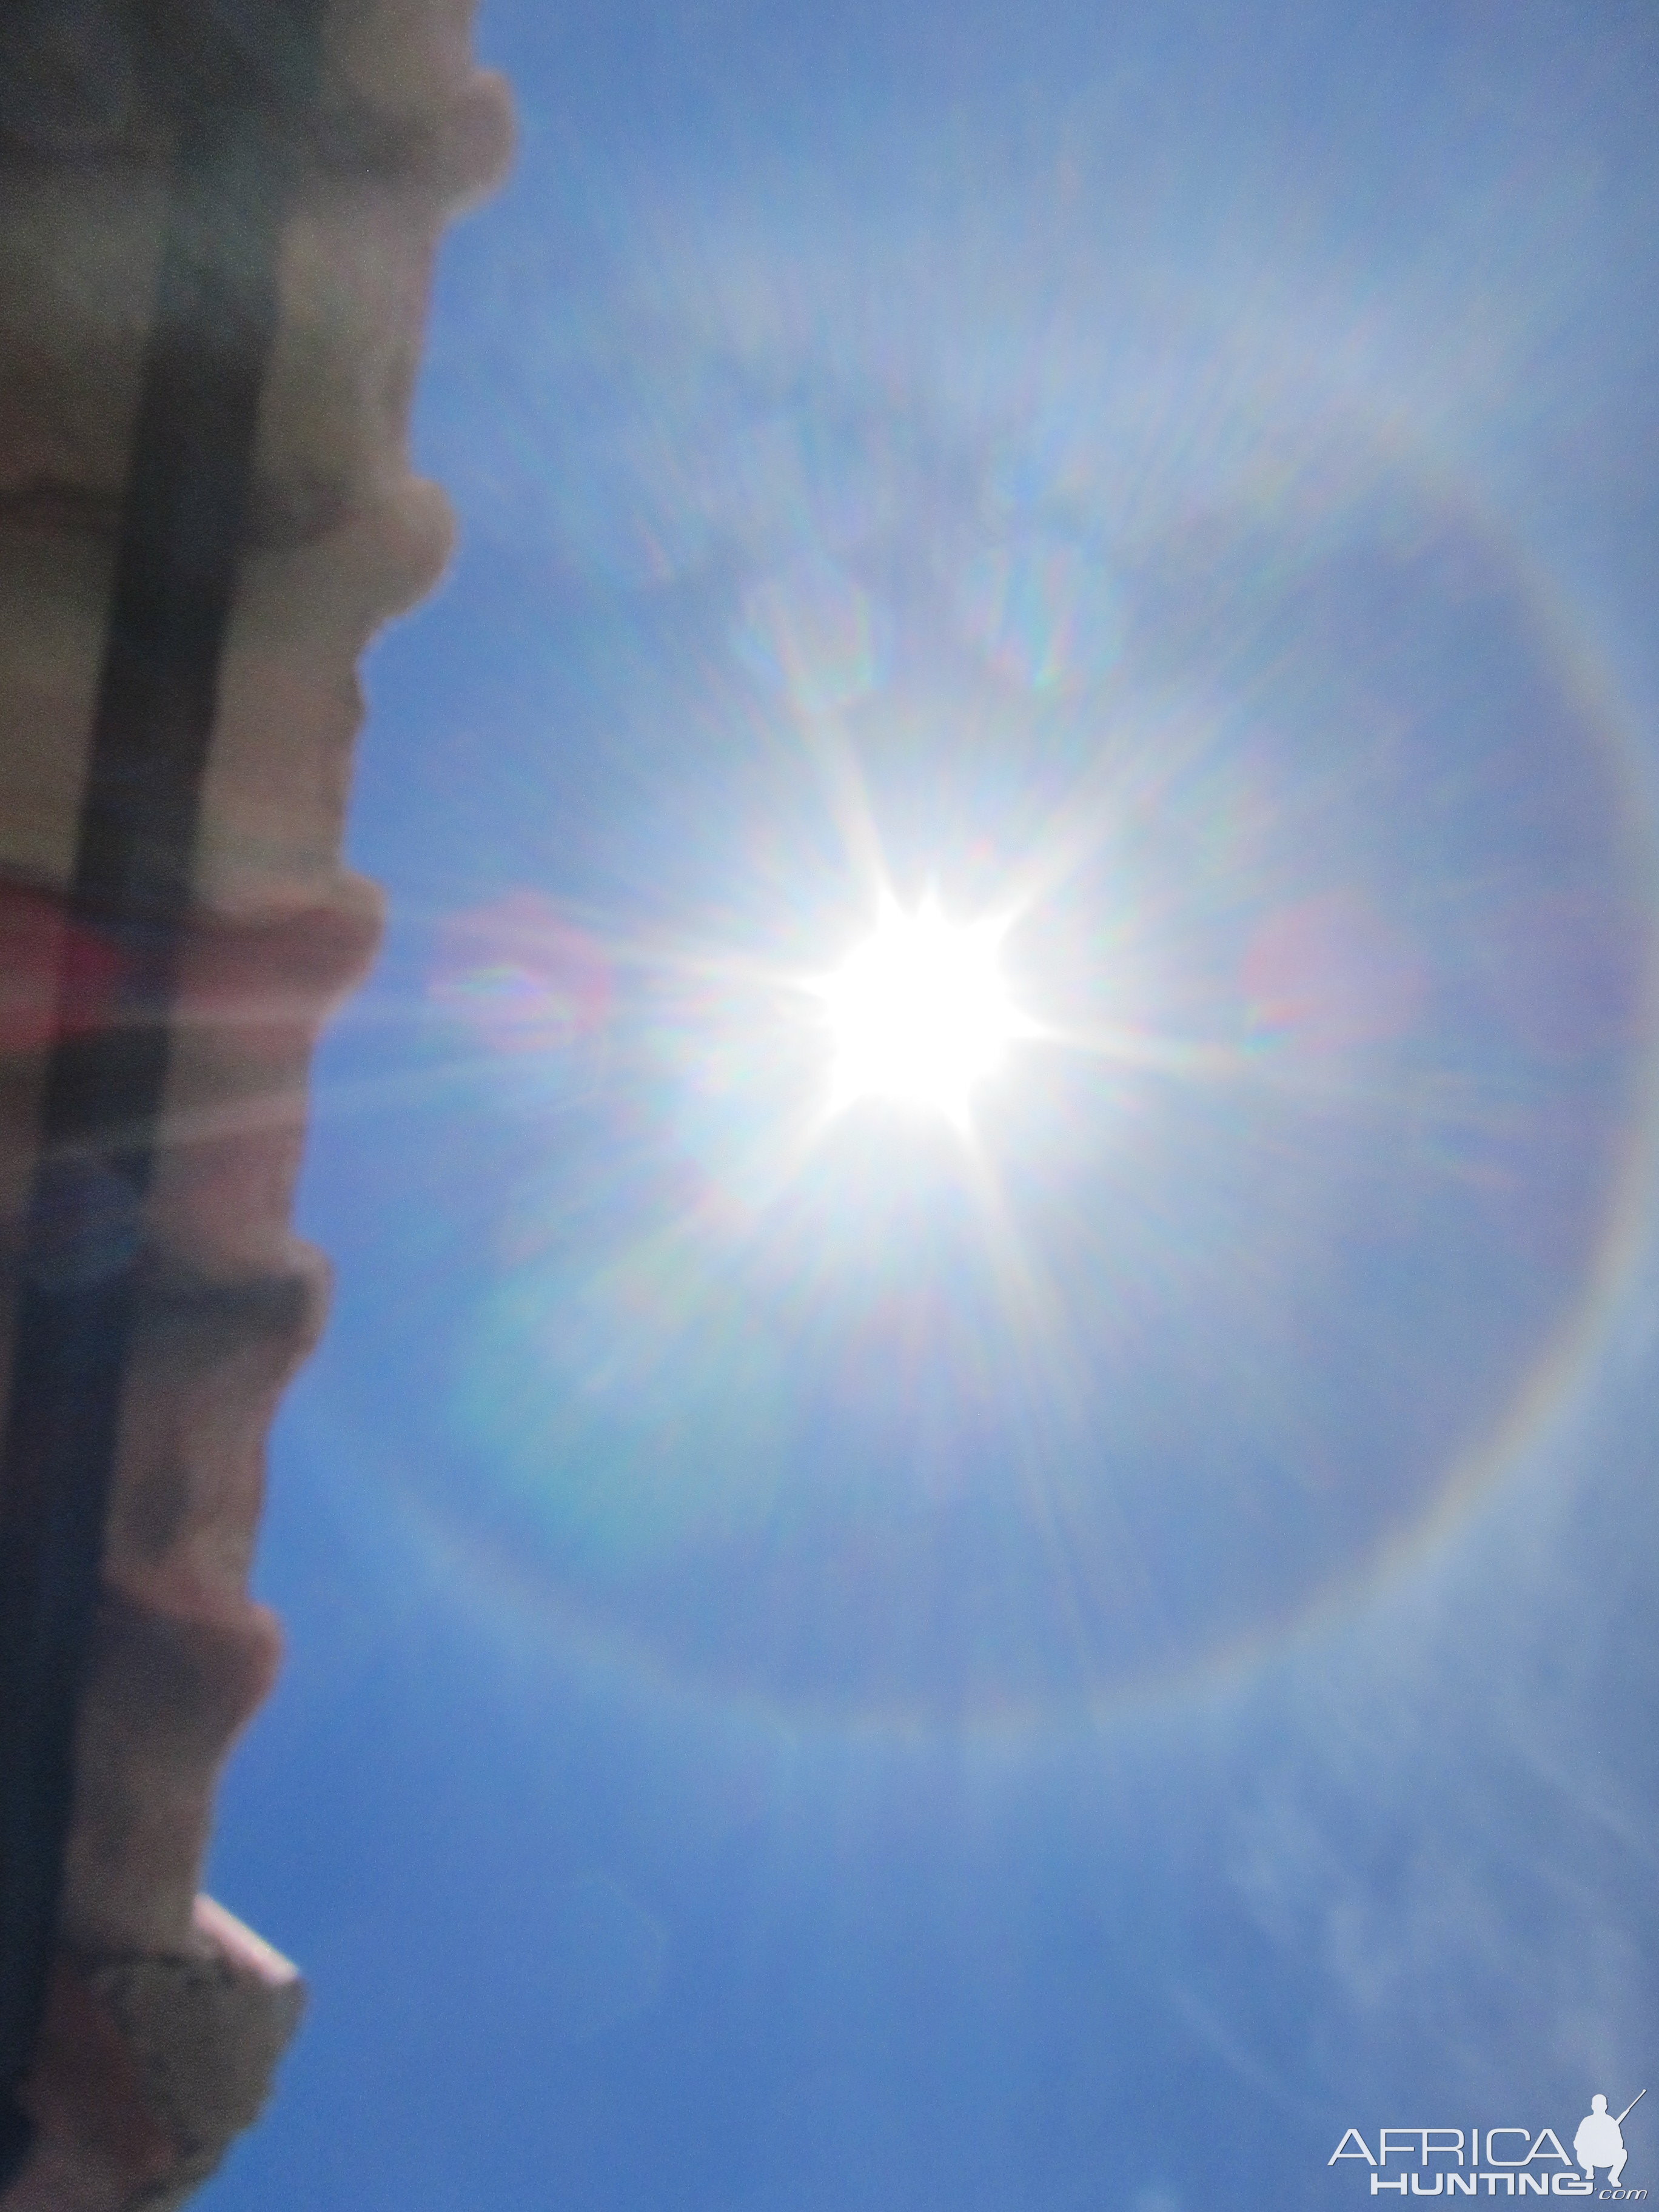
(166, 2016)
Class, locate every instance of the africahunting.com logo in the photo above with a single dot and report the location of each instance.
(1502, 2161)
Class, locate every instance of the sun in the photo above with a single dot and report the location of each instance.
(919, 1012)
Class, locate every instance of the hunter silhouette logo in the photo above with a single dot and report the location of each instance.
(1601, 2141)
(1506, 2161)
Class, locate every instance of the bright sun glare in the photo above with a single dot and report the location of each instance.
(920, 1012)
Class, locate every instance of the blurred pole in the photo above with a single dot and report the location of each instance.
(240, 80)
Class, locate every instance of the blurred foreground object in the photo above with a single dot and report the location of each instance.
(125, 124)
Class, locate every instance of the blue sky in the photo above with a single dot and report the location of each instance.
(846, 1665)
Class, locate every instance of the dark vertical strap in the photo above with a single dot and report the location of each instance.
(176, 576)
